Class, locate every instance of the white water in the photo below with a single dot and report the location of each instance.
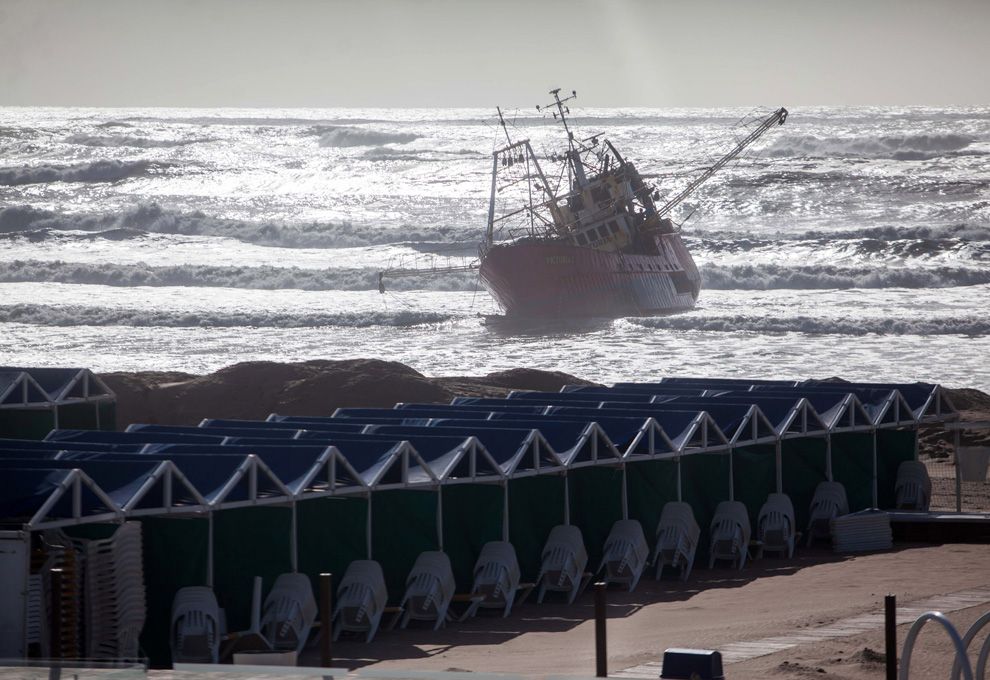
(856, 242)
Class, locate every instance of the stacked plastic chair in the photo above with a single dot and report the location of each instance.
(197, 626)
(563, 562)
(730, 533)
(289, 612)
(114, 593)
(625, 553)
(913, 488)
(775, 527)
(429, 589)
(361, 599)
(496, 576)
(59, 552)
(677, 539)
(828, 503)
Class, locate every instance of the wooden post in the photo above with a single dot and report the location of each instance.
(326, 619)
(890, 635)
(601, 650)
(955, 455)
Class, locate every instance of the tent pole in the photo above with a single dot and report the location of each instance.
(780, 468)
(625, 495)
(440, 517)
(505, 510)
(294, 541)
(209, 549)
(732, 481)
(679, 498)
(567, 499)
(875, 497)
(828, 456)
(367, 532)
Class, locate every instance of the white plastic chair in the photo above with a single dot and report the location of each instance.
(677, 539)
(114, 602)
(828, 503)
(775, 526)
(625, 553)
(563, 562)
(361, 599)
(429, 589)
(196, 630)
(730, 533)
(913, 488)
(289, 612)
(496, 576)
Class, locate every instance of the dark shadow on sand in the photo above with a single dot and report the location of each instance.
(419, 640)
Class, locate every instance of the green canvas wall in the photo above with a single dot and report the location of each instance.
(404, 524)
(536, 505)
(26, 423)
(472, 516)
(650, 485)
(803, 467)
(754, 476)
(596, 504)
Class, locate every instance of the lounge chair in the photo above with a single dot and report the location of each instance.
(828, 503)
(677, 539)
(496, 576)
(361, 599)
(563, 562)
(429, 589)
(775, 527)
(730, 533)
(289, 612)
(625, 553)
(195, 631)
(913, 488)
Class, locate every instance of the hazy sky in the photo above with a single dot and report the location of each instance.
(482, 53)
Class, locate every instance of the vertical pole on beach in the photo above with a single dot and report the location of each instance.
(567, 499)
(294, 540)
(601, 653)
(828, 457)
(890, 635)
(778, 454)
(955, 456)
(876, 497)
(326, 619)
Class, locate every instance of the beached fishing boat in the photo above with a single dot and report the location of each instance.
(578, 232)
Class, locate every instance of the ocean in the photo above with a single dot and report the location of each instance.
(850, 242)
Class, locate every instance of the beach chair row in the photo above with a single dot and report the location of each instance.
(289, 612)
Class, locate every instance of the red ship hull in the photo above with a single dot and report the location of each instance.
(539, 278)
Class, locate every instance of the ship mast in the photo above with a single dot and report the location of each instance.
(776, 118)
(573, 155)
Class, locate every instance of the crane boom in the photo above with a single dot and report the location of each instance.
(776, 118)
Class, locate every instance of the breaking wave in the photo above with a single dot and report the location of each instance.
(125, 140)
(820, 326)
(97, 171)
(258, 278)
(772, 276)
(958, 231)
(152, 218)
(897, 147)
(346, 136)
(80, 315)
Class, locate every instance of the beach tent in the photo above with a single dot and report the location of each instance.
(36, 400)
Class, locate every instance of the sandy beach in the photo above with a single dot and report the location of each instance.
(716, 607)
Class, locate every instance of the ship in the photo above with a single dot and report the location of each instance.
(579, 233)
